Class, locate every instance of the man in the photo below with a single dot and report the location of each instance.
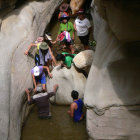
(76, 107)
(39, 76)
(42, 102)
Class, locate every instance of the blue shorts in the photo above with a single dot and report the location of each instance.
(41, 80)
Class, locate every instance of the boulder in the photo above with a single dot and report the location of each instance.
(68, 80)
(75, 5)
(83, 59)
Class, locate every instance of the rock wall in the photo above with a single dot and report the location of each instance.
(112, 92)
(18, 29)
(7, 3)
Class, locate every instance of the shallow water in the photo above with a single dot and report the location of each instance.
(59, 127)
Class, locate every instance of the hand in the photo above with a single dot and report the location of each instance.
(50, 75)
(35, 89)
(53, 42)
(55, 87)
(26, 52)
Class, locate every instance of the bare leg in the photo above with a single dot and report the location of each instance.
(44, 87)
(86, 47)
(72, 49)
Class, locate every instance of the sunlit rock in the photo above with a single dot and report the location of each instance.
(112, 89)
(75, 5)
(83, 59)
(68, 80)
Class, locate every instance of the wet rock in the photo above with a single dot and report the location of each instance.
(83, 59)
(68, 80)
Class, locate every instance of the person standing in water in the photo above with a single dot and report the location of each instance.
(42, 102)
(76, 108)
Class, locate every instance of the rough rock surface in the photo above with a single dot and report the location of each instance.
(7, 3)
(18, 29)
(83, 59)
(75, 5)
(113, 81)
(68, 80)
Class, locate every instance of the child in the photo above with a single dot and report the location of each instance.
(66, 58)
(66, 25)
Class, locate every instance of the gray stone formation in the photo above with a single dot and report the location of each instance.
(18, 29)
(112, 92)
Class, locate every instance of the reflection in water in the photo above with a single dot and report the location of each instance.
(59, 127)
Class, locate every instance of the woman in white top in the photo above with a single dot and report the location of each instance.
(82, 27)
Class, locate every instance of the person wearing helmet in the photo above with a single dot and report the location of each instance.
(76, 108)
(66, 25)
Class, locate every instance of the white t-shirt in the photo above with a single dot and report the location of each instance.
(82, 26)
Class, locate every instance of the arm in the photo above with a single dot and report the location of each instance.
(46, 67)
(73, 35)
(53, 58)
(73, 30)
(30, 101)
(53, 42)
(75, 27)
(72, 108)
(55, 87)
(29, 47)
(34, 81)
(28, 94)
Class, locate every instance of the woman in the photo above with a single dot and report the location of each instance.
(82, 26)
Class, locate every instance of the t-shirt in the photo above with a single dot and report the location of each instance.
(66, 27)
(68, 59)
(82, 26)
(42, 74)
(42, 102)
(78, 112)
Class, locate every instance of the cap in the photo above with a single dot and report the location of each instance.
(36, 71)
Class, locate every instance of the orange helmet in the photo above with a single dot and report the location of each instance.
(63, 15)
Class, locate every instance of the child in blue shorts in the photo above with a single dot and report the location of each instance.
(39, 77)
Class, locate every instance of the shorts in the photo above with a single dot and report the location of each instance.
(84, 39)
(41, 80)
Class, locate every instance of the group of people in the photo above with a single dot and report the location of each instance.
(44, 59)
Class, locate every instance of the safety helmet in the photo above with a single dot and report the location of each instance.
(63, 15)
